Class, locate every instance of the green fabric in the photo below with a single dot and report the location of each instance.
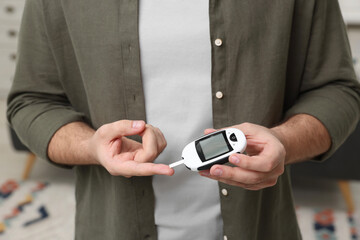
(80, 61)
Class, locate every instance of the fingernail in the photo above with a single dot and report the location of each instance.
(170, 173)
(217, 172)
(136, 124)
(234, 159)
(204, 173)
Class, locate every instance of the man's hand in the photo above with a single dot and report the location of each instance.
(300, 138)
(77, 144)
(126, 157)
(260, 168)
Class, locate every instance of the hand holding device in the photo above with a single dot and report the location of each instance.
(211, 149)
(262, 165)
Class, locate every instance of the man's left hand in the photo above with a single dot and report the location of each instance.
(262, 165)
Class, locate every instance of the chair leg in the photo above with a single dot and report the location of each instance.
(29, 164)
(346, 192)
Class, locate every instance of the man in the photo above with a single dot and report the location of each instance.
(284, 67)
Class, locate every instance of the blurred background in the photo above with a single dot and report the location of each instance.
(37, 199)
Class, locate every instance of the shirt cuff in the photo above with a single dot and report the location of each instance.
(336, 111)
(37, 133)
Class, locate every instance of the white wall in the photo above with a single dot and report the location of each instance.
(10, 16)
(350, 10)
(354, 38)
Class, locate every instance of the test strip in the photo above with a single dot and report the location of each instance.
(177, 163)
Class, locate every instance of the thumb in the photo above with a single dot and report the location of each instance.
(209, 130)
(123, 128)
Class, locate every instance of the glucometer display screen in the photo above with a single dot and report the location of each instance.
(213, 146)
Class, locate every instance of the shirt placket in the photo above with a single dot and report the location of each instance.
(218, 64)
(134, 103)
(218, 80)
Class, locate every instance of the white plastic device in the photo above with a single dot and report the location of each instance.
(213, 148)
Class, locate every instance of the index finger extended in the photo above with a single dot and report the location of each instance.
(133, 168)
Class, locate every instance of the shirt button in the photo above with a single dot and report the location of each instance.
(224, 192)
(219, 95)
(218, 42)
(225, 237)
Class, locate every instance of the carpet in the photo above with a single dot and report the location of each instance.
(327, 224)
(36, 210)
(42, 211)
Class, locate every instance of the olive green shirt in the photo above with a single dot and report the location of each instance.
(79, 60)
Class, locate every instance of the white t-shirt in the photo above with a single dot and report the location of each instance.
(176, 69)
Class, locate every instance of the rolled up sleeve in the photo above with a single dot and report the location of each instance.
(37, 104)
(329, 89)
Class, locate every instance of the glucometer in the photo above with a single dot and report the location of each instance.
(213, 148)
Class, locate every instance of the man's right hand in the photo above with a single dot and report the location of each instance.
(123, 156)
(78, 144)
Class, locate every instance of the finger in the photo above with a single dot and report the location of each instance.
(254, 187)
(229, 182)
(254, 147)
(121, 128)
(115, 147)
(249, 128)
(161, 141)
(260, 163)
(132, 168)
(150, 149)
(129, 145)
(205, 172)
(258, 186)
(239, 175)
(209, 130)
